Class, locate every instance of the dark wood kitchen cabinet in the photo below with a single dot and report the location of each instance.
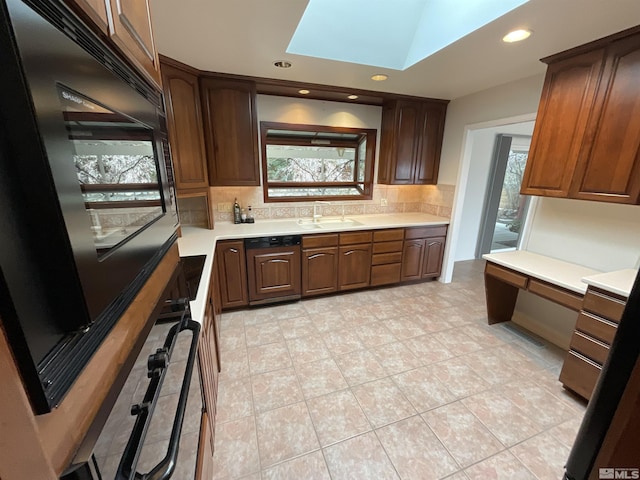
(386, 259)
(184, 116)
(411, 142)
(354, 262)
(95, 11)
(231, 131)
(232, 271)
(273, 272)
(319, 264)
(586, 141)
(130, 30)
(204, 465)
(423, 252)
(209, 365)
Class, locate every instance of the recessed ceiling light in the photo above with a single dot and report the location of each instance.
(282, 64)
(352, 97)
(379, 77)
(516, 35)
(303, 92)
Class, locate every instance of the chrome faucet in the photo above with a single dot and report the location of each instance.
(317, 215)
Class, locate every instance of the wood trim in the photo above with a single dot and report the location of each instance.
(62, 431)
(176, 64)
(21, 455)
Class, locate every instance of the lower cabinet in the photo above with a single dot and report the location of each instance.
(386, 259)
(319, 271)
(423, 252)
(354, 266)
(232, 272)
(273, 272)
(204, 465)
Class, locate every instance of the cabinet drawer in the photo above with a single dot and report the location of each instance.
(315, 241)
(598, 328)
(424, 232)
(603, 305)
(385, 274)
(579, 374)
(384, 258)
(388, 235)
(355, 237)
(589, 347)
(506, 275)
(556, 294)
(386, 247)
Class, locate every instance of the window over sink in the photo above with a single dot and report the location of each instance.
(316, 162)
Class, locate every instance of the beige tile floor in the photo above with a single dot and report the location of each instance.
(403, 382)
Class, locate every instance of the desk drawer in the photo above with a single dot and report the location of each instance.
(388, 235)
(556, 294)
(579, 374)
(506, 275)
(589, 347)
(386, 247)
(355, 238)
(603, 305)
(595, 327)
(384, 258)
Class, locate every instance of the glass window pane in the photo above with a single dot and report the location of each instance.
(293, 163)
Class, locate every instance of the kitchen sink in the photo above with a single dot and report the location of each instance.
(326, 223)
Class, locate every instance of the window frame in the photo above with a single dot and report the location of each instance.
(366, 193)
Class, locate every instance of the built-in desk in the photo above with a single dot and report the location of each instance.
(507, 273)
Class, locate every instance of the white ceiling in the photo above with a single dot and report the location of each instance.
(245, 37)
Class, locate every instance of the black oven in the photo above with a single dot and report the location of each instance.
(88, 206)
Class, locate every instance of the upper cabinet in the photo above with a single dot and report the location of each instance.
(127, 23)
(231, 131)
(130, 29)
(182, 100)
(586, 141)
(411, 141)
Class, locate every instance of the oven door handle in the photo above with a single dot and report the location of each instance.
(163, 470)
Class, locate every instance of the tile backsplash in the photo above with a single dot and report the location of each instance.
(433, 199)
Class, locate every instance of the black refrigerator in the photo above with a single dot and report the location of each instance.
(616, 372)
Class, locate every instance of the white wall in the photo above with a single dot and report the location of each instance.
(602, 236)
(482, 151)
(509, 100)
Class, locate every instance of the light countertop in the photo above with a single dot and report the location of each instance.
(619, 282)
(201, 241)
(561, 273)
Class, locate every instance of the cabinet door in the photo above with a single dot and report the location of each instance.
(273, 272)
(433, 255)
(566, 102)
(95, 10)
(208, 363)
(182, 99)
(319, 271)
(430, 145)
(231, 132)
(412, 259)
(233, 274)
(609, 165)
(130, 30)
(204, 465)
(354, 266)
(406, 139)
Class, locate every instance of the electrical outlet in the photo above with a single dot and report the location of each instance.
(383, 202)
(225, 207)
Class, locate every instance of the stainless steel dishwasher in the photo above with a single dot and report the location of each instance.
(273, 269)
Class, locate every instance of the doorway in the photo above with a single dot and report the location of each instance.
(505, 210)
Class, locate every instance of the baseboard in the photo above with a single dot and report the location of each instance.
(553, 336)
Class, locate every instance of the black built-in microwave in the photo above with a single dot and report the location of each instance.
(87, 203)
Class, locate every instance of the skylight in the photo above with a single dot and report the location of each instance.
(392, 34)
